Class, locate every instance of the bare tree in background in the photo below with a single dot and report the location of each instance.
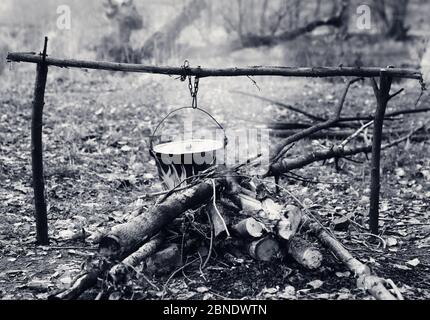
(269, 23)
(161, 44)
(256, 17)
(117, 46)
(393, 15)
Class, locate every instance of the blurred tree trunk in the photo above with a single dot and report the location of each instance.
(117, 46)
(394, 23)
(255, 40)
(317, 8)
(425, 64)
(381, 10)
(160, 45)
(397, 29)
(3, 53)
(345, 16)
(263, 20)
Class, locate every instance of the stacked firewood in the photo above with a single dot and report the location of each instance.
(242, 219)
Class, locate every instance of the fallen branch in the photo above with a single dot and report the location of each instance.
(287, 106)
(344, 134)
(318, 127)
(388, 116)
(127, 237)
(89, 279)
(136, 258)
(287, 164)
(372, 284)
(80, 285)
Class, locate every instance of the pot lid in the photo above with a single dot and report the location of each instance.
(189, 146)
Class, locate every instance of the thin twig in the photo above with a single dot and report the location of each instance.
(384, 243)
(217, 211)
(175, 273)
(211, 240)
(396, 94)
(201, 266)
(355, 134)
(287, 106)
(141, 274)
(395, 289)
(279, 152)
(254, 82)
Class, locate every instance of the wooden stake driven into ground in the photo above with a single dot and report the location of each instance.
(37, 150)
(42, 61)
(382, 97)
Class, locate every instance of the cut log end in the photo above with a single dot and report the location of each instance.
(290, 222)
(266, 249)
(109, 245)
(164, 261)
(249, 228)
(305, 253)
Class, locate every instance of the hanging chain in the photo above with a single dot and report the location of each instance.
(195, 91)
(194, 88)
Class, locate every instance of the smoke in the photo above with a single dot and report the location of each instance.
(26, 22)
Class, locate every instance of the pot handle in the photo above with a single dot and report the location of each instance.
(177, 110)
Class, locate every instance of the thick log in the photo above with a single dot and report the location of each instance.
(136, 258)
(249, 228)
(248, 203)
(290, 221)
(374, 285)
(127, 237)
(314, 72)
(305, 253)
(220, 220)
(89, 279)
(79, 286)
(265, 249)
(165, 260)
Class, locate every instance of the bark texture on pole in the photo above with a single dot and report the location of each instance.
(382, 97)
(37, 150)
(312, 72)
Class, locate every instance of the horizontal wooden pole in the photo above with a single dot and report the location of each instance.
(314, 72)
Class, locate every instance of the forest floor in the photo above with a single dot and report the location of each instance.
(97, 166)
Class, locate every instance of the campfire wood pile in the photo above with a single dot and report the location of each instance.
(228, 214)
(223, 215)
